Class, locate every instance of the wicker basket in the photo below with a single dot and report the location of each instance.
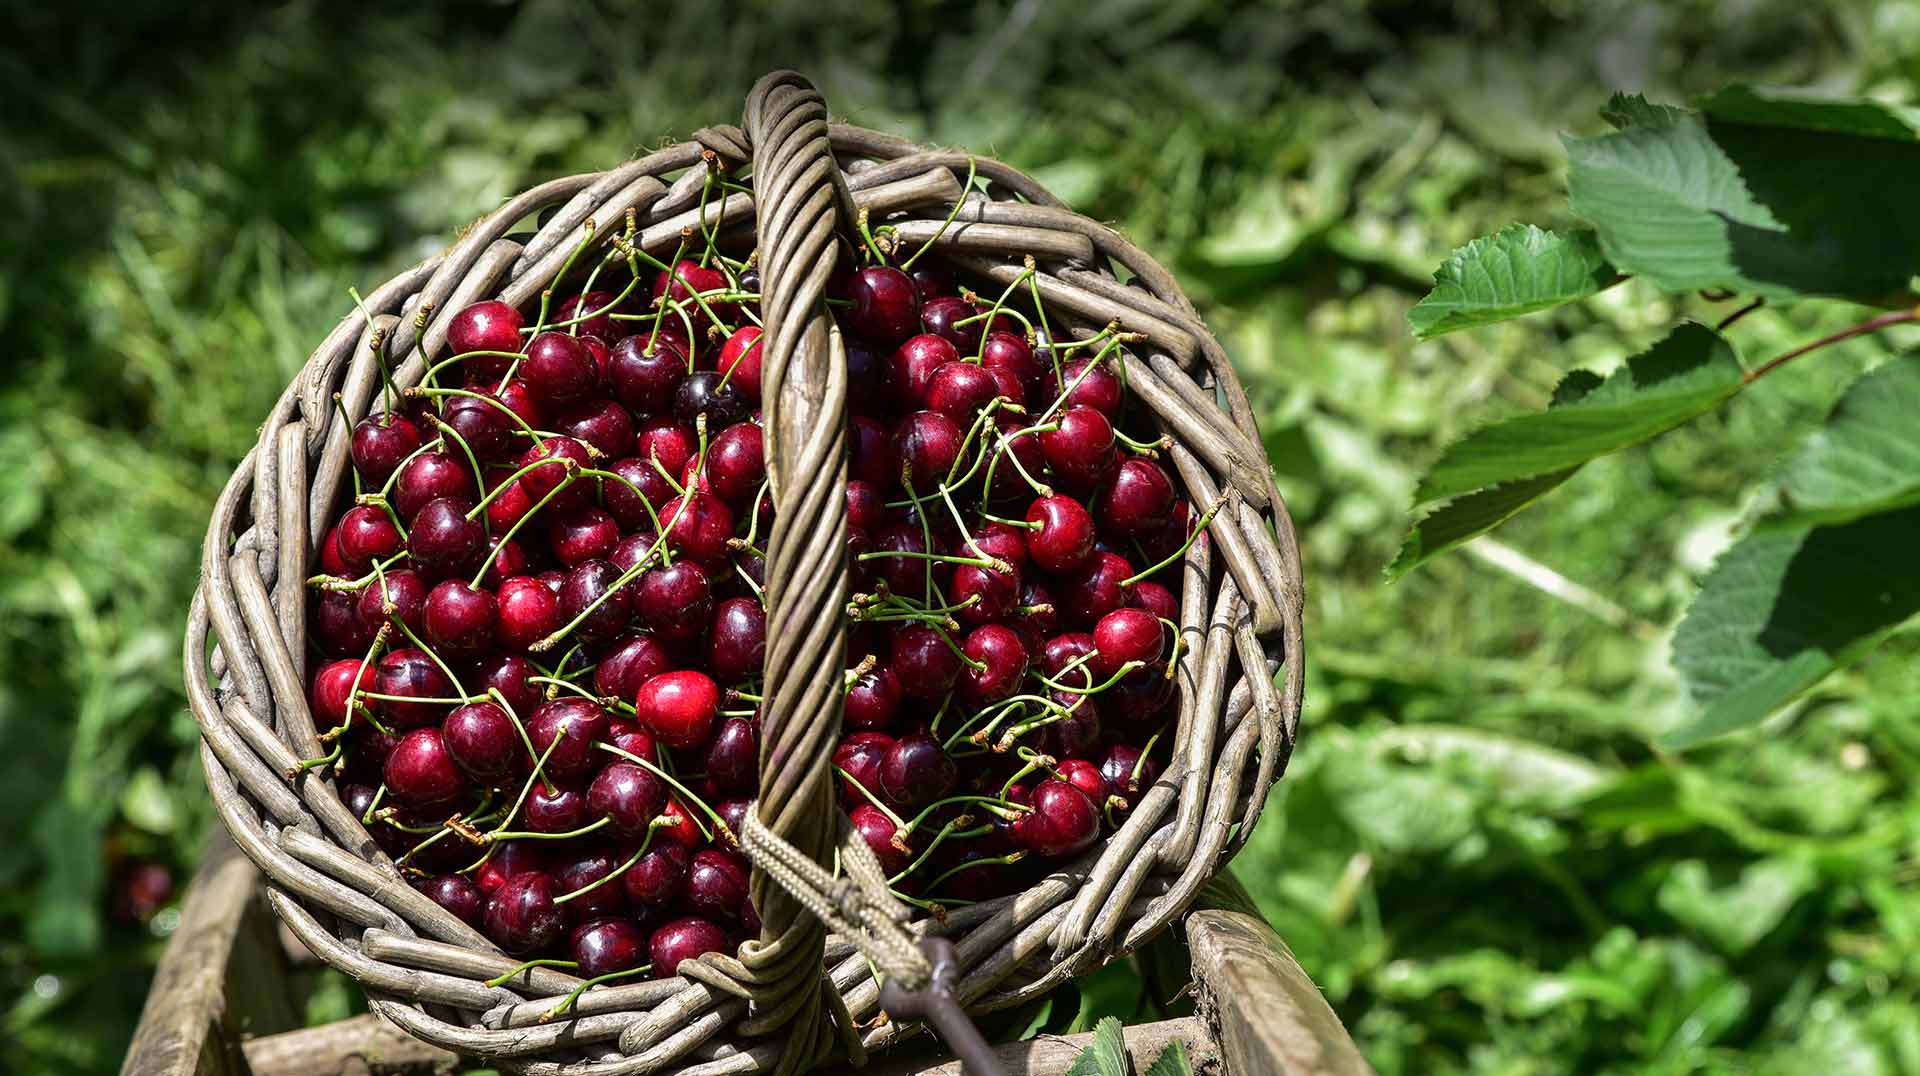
(778, 1003)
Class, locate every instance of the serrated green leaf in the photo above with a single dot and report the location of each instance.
(1172, 1061)
(1799, 109)
(1465, 518)
(1867, 457)
(1106, 1055)
(1784, 607)
(1783, 211)
(1624, 110)
(1518, 270)
(1680, 377)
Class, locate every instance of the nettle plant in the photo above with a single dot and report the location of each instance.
(1767, 194)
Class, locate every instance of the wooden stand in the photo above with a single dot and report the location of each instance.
(222, 1005)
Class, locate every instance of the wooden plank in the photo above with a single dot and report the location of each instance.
(1051, 1055)
(183, 1028)
(1266, 1014)
(361, 1046)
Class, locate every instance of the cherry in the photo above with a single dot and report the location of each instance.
(1157, 600)
(1063, 821)
(717, 883)
(929, 280)
(658, 877)
(993, 593)
(482, 741)
(629, 507)
(528, 612)
(676, 601)
(733, 757)
(1075, 733)
(1063, 650)
(479, 425)
(601, 423)
(923, 660)
(1094, 589)
(458, 896)
(927, 444)
(1084, 776)
(485, 326)
(687, 938)
(916, 771)
(1081, 450)
(706, 392)
(866, 507)
(885, 308)
(678, 707)
(1142, 695)
(545, 478)
(629, 795)
(333, 685)
(911, 368)
(379, 444)
(568, 725)
(736, 463)
(635, 548)
(431, 476)
(1137, 501)
(508, 859)
(628, 736)
(508, 506)
(686, 279)
(941, 315)
(1005, 351)
(878, 830)
(599, 324)
(974, 883)
(860, 756)
(1035, 618)
(558, 369)
(555, 808)
(459, 618)
(592, 581)
(505, 559)
(629, 662)
(874, 699)
(737, 645)
(1099, 390)
(1000, 649)
(521, 915)
(1064, 539)
(678, 825)
(702, 530)
(869, 452)
(959, 390)
(1119, 765)
(331, 562)
(668, 440)
(442, 541)
(509, 674)
(582, 870)
(410, 674)
(906, 575)
(420, 773)
(519, 399)
(740, 361)
(365, 534)
(604, 946)
(1126, 635)
(645, 376)
(584, 534)
(868, 391)
(1023, 448)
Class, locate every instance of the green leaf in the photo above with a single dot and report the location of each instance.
(1786, 606)
(1771, 208)
(1172, 1061)
(1801, 110)
(1517, 270)
(1680, 377)
(1735, 916)
(1465, 518)
(1624, 110)
(1867, 457)
(1106, 1055)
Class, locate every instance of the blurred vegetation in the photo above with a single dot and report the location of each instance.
(1475, 852)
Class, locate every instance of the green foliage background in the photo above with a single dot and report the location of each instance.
(1476, 852)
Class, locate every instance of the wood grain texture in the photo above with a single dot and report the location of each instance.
(1262, 1008)
(185, 1028)
(362, 1046)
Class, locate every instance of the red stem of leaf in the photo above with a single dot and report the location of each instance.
(1870, 325)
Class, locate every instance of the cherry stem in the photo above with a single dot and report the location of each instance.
(939, 837)
(646, 561)
(1199, 526)
(646, 842)
(898, 823)
(1871, 325)
(416, 641)
(965, 188)
(539, 757)
(574, 994)
(532, 835)
(1007, 860)
(520, 969)
(719, 824)
(486, 564)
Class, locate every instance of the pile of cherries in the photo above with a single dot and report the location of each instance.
(542, 621)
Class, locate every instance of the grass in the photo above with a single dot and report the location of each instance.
(1476, 852)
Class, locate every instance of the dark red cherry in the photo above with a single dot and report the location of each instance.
(858, 757)
(706, 392)
(866, 508)
(660, 876)
(585, 533)
(555, 808)
(926, 444)
(628, 501)
(924, 661)
(409, 673)
(582, 870)
(1063, 821)
(877, 830)
(959, 390)
(604, 946)
(602, 423)
(874, 699)
(588, 583)
(1064, 539)
(458, 896)
(420, 773)
(717, 883)
(1127, 773)
(675, 602)
(1077, 731)
(1080, 451)
(508, 506)
(687, 279)
(629, 795)
(929, 281)
(1084, 776)
(1157, 600)
(740, 361)
(992, 594)
(379, 444)
(916, 771)
(733, 757)
(667, 439)
(1035, 618)
(521, 915)
(333, 685)
(569, 725)
(1137, 501)
(1126, 635)
(1094, 589)
(868, 392)
(1005, 351)
(508, 859)
(684, 939)
(1062, 651)
(459, 618)
(558, 369)
(1014, 450)
(519, 399)
(442, 541)
(366, 534)
(906, 576)
(1142, 696)
(701, 530)
(429, 477)
(646, 374)
(679, 707)
(870, 452)
(632, 661)
(736, 463)
(510, 675)
(483, 742)
(1000, 649)
(737, 645)
(1099, 390)
(505, 558)
(556, 456)
(481, 425)
(942, 315)
(528, 612)
(596, 307)
(885, 308)
(485, 326)
(911, 368)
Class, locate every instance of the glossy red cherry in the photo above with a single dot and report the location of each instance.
(878, 830)
(552, 807)
(483, 742)
(912, 365)
(629, 795)
(485, 326)
(1156, 599)
(858, 758)
(916, 771)
(588, 314)
(509, 674)
(737, 645)
(959, 390)
(675, 602)
(599, 422)
(924, 661)
(870, 452)
(1136, 501)
(528, 612)
(420, 773)
(736, 463)
(588, 583)
(659, 876)
(431, 476)
(1064, 539)
(717, 883)
(604, 946)
(1063, 821)
(631, 661)
(926, 444)
(1005, 351)
(885, 308)
(733, 757)
(459, 896)
(333, 685)
(558, 369)
(1125, 635)
(740, 361)
(644, 487)
(684, 939)
(586, 533)
(459, 618)
(874, 699)
(1128, 774)
(481, 425)
(1099, 389)
(679, 707)
(521, 915)
(646, 371)
(505, 558)
(442, 541)
(1094, 589)
(380, 443)
(701, 530)
(396, 595)
(1000, 649)
(508, 859)
(410, 674)
(942, 316)
(569, 726)
(366, 534)
(1080, 452)
(1084, 776)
